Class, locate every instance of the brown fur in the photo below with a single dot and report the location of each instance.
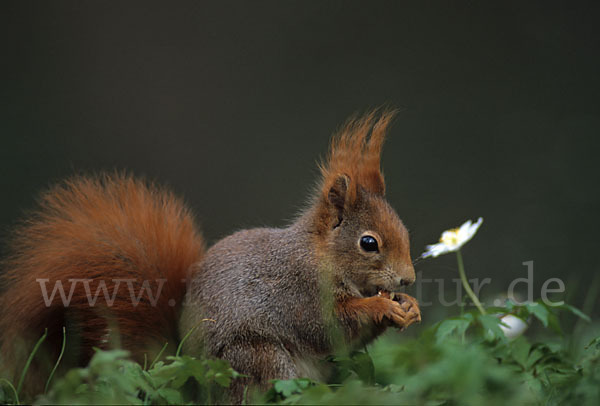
(352, 202)
(355, 151)
(290, 289)
(99, 228)
(278, 300)
(378, 312)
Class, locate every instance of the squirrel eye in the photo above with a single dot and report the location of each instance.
(369, 243)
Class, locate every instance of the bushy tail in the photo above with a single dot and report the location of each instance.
(119, 248)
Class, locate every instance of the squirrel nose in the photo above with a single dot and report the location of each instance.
(403, 281)
(406, 282)
(406, 278)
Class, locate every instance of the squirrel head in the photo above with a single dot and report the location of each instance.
(359, 233)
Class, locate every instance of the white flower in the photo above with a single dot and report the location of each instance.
(516, 326)
(452, 240)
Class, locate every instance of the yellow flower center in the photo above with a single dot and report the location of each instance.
(450, 237)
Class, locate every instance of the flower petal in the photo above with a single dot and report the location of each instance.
(435, 250)
(454, 239)
(464, 229)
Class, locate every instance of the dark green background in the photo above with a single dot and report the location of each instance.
(231, 103)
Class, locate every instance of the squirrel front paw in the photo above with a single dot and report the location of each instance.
(400, 310)
(410, 307)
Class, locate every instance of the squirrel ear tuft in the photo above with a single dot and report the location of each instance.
(337, 195)
(356, 152)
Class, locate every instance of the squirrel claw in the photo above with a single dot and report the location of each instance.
(404, 311)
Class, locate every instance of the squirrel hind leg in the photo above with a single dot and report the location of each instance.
(261, 361)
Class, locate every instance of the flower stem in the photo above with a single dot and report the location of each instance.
(465, 282)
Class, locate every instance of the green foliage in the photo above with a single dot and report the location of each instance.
(460, 360)
(111, 378)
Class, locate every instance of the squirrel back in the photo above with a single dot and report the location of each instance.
(106, 257)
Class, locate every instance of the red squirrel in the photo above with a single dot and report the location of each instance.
(271, 301)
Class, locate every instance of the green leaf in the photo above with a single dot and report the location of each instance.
(357, 363)
(491, 325)
(172, 396)
(554, 323)
(456, 325)
(535, 355)
(574, 310)
(539, 311)
(362, 365)
(509, 304)
(520, 351)
(101, 358)
(220, 372)
(186, 367)
(286, 387)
